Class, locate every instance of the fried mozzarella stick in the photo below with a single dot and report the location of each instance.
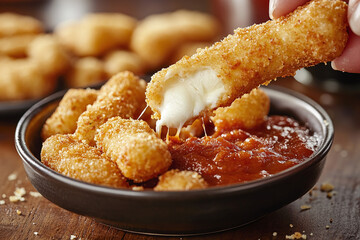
(135, 148)
(216, 76)
(75, 159)
(122, 96)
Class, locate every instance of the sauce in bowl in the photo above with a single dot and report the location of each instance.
(235, 156)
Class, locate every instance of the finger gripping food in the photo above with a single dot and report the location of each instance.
(216, 76)
(122, 96)
(66, 155)
(135, 147)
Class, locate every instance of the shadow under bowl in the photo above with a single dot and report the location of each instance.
(178, 212)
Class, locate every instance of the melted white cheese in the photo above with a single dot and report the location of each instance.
(185, 97)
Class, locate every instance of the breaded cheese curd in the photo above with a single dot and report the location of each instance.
(71, 106)
(123, 95)
(75, 159)
(135, 148)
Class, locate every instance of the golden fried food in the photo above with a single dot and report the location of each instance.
(23, 79)
(16, 46)
(175, 180)
(121, 60)
(47, 53)
(135, 148)
(246, 112)
(63, 120)
(12, 24)
(216, 76)
(85, 71)
(122, 96)
(96, 33)
(75, 159)
(157, 36)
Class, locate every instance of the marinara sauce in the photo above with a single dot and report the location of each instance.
(235, 155)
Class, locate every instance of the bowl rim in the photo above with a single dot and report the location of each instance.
(28, 157)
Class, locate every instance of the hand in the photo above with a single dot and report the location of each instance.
(349, 61)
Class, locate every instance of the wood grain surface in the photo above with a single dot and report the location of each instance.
(337, 217)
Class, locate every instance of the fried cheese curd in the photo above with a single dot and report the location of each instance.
(36, 75)
(121, 60)
(96, 33)
(23, 79)
(46, 52)
(175, 180)
(84, 72)
(216, 76)
(157, 36)
(246, 112)
(123, 95)
(71, 106)
(74, 159)
(12, 24)
(135, 148)
(16, 46)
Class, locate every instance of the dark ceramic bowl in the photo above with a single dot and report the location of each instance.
(178, 213)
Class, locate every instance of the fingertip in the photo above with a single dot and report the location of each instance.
(271, 8)
(354, 16)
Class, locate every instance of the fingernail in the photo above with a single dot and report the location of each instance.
(272, 4)
(333, 65)
(354, 20)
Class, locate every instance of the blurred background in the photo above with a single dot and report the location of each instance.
(83, 69)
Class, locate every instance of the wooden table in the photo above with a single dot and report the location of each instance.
(328, 218)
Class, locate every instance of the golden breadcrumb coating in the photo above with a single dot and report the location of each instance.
(313, 33)
(135, 147)
(246, 112)
(175, 180)
(75, 159)
(63, 120)
(85, 72)
(47, 53)
(12, 24)
(16, 46)
(122, 96)
(121, 60)
(23, 79)
(157, 36)
(96, 33)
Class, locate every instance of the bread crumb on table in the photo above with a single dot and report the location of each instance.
(296, 235)
(2, 202)
(326, 187)
(18, 195)
(12, 176)
(305, 207)
(35, 194)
